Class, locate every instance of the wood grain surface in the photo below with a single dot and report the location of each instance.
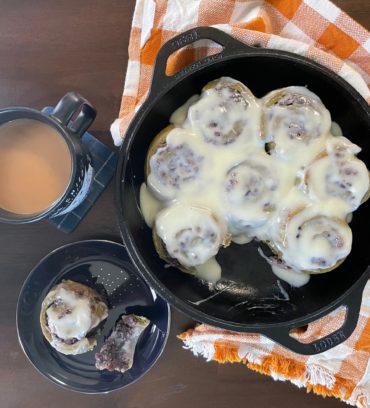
(47, 48)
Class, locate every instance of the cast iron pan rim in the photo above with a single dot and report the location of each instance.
(252, 52)
(198, 315)
(152, 99)
(124, 155)
(53, 380)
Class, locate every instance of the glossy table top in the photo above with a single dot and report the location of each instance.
(46, 49)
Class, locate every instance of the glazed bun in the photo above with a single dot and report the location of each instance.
(69, 312)
(226, 112)
(311, 242)
(250, 194)
(293, 119)
(173, 162)
(336, 173)
(187, 236)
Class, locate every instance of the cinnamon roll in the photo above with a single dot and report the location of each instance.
(337, 173)
(225, 112)
(69, 313)
(172, 162)
(293, 118)
(232, 166)
(118, 350)
(251, 189)
(310, 241)
(188, 236)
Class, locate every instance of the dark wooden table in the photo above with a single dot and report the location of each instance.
(47, 48)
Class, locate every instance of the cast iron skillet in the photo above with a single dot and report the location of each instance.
(249, 298)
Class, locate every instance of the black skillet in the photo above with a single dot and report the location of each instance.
(249, 298)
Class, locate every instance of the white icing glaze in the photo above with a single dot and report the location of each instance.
(179, 115)
(175, 167)
(310, 240)
(241, 239)
(284, 272)
(338, 175)
(251, 193)
(343, 145)
(191, 235)
(293, 277)
(209, 271)
(77, 322)
(335, 129)
(229, 177)
(149, 205)
(293, 119)
(225, 113)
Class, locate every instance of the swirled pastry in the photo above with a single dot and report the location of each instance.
(117, 353)
(251, 189)
(69, 312)
(172, 162)
(293, 118)
(337, 173)
(310, 241)
(226, 112)
(188, 236)
(234, 167)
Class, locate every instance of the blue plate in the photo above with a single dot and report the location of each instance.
(105, 266)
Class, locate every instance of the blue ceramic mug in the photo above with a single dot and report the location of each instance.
(71, 117)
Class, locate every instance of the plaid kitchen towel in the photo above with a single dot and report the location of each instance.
(318, 30)
(342, 372)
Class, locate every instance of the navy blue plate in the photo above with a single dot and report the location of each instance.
(105, 266)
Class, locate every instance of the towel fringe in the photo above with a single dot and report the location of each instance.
(203, 349)
(319, 375)
(226, 352)
(314, 378)
(360, 397)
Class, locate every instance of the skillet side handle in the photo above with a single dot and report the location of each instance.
(352, 302)
(231, 46)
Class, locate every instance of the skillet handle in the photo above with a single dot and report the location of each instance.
(352, 302)
(231, 46)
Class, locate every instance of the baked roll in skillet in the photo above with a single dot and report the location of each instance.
(226, 112)
(336, 173)
(187, 236)
(293, 118)
(173, 162)
(250, 193)
(267, 168)
(310, 241)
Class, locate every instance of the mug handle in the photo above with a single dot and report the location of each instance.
(71, 103)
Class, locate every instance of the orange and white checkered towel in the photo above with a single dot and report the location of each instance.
(316, 29)
(342, 372)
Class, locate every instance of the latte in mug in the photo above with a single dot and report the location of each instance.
(35, 166)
